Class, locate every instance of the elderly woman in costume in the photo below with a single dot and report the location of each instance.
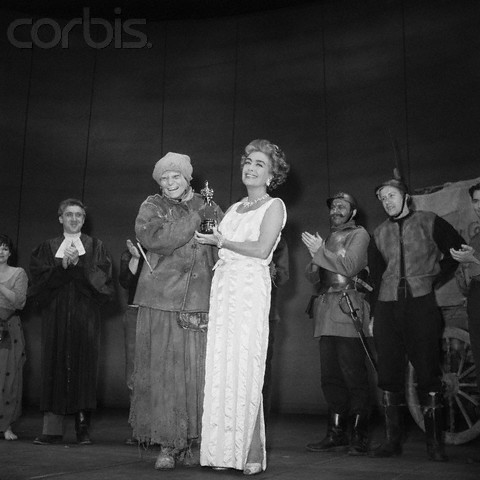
(173, 298)
(233, 429)
(13, 291)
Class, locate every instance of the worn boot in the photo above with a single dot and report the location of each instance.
(165, 459)
(432, 415)
(82, 424)
(336, 438)
(359, 438)
(190, 456)
(393, 405)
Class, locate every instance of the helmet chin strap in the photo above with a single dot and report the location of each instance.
(353, 212)
(350, 217)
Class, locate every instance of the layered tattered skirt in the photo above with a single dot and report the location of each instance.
(169, 378)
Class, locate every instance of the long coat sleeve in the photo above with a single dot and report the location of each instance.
(181, 268)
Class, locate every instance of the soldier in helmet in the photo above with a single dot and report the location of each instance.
(335, 268)
(408, 258)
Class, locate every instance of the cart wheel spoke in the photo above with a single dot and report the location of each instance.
(468, 385)
(462, 362)
(469, 398)
(467, 372)
(464, 412)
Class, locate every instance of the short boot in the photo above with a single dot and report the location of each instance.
(359, 438)
(165, 459)
(82, 425)
(432, 415)
(336, 438)
(393, 405)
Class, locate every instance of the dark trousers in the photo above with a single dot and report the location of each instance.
(408, 329)
(473, 310)
(344, 375)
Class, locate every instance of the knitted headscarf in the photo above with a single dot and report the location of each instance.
(175, 162)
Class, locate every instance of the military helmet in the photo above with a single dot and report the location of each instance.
(393, 182)
(343, 196)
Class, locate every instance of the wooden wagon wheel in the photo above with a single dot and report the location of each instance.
(462, 396)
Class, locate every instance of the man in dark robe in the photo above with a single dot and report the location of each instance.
(71, 276)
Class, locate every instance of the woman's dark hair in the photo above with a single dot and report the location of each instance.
(7, 241)
(280, 167)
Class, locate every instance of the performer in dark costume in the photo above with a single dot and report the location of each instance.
(335, 267)
(71, 277)
(410, 255)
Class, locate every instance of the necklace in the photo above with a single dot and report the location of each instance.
(249, 204)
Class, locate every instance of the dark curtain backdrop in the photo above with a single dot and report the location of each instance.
(335, 84)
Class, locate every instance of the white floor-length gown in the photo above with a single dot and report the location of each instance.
(236, 345)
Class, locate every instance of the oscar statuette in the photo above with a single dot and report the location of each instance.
(209, 214)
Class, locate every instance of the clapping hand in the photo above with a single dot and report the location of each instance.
(312, 242)
(133, 249)
(70, 256)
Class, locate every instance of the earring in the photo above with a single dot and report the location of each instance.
(268, 182)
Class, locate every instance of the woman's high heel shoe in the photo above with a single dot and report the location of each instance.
(252, 468)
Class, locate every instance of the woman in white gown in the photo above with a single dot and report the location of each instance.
(233, 430)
